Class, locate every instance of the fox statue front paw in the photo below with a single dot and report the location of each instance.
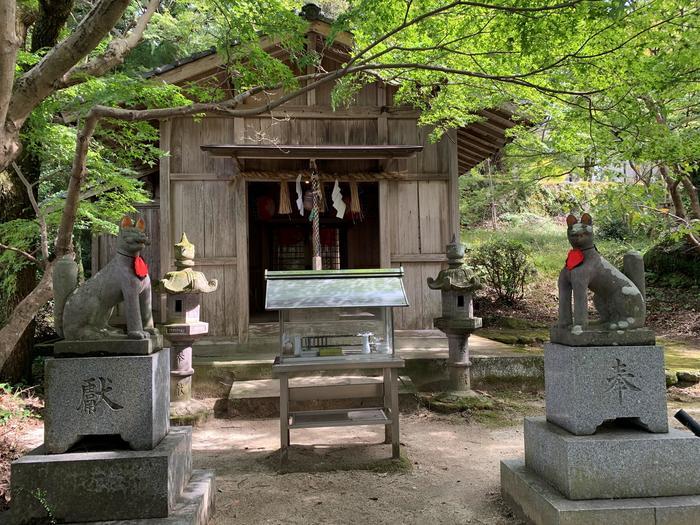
(152, 330)
(138, 334)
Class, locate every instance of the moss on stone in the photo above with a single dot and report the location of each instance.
(493, 412)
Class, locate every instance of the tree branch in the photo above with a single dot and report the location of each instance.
(39, 82)
(43, 231)
(439, 10)
(24, 254)
(115, 53)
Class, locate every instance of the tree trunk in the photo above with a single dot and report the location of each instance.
(24, 313)
(53, 14)
(672, 187)
(18, 365)
(692, 192)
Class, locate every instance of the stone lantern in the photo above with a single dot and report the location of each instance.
(184, 288)
(457, 284)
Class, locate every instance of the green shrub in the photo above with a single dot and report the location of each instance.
(506, 266)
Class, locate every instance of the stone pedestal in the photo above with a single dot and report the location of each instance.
(103, 396)
(614, 462)
(104, 485)
(458, 363)
(586, 386)
(629, 470)
(182, 336)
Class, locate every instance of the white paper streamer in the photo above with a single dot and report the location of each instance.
(338, 203)
(300, 196)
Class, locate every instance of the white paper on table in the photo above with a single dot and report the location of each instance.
(300, 197)
(338, 203)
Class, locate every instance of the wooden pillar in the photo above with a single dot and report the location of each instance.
(165, 233)
(453, 187)
(384, 212)
(241, 211)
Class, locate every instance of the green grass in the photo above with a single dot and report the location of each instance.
(678, 356)
(549, 244)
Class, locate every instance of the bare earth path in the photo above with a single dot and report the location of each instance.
(454, 476)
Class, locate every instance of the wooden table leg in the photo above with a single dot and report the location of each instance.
(284, 414)
(387, 402)
(395, 444)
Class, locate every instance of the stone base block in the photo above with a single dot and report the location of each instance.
(593, 337)
(123, 395)
(533, 500)
(116, 346)
(107, 485)
(586, 386)
(613, 463)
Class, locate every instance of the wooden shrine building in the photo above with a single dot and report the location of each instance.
(222, 184)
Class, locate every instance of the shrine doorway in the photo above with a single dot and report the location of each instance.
(282, 241)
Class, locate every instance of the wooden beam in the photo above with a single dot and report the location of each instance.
(503, 122)
(278, 175)
(307, 151)
(216, 261)
(417, 257)
(472, 137)
(480, 128)
(472, 147)
(475, 158)
(213, 177)
(499, 130)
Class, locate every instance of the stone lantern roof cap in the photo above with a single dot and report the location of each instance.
(185, 279)
(458, 277)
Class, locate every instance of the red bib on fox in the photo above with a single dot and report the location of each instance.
(140, 267)
(574, 258)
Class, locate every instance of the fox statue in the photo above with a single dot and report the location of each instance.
(83, 312)
(618, 297)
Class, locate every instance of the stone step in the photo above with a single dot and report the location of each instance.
(260, 397)
(427, 370)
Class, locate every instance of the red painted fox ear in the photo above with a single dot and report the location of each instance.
(586, 219)
(571, 220)
(140, 225)
(126, 222)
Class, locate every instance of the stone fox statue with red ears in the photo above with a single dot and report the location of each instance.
(618, 296)
(83, 312)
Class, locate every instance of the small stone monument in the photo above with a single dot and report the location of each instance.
(184, 288)
(108, 451)
(604, 453)
(457, 283)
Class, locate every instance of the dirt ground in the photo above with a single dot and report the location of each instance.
(450, 473)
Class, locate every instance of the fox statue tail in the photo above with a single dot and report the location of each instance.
(65, 280)
(633, 267)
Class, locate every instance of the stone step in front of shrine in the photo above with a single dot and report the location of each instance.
(215, 376)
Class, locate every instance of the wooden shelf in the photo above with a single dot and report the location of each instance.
(339, 418)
